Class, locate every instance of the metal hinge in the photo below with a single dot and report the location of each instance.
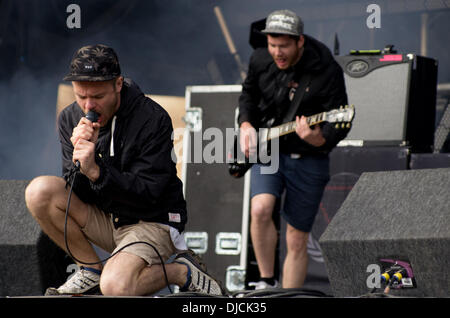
(235, 278)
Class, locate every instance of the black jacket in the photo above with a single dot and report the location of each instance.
(265, 94)
(139, 182)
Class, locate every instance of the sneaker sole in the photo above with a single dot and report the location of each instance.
(51, 291)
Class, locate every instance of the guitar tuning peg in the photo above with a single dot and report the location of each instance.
(336, 126)
(349, 125)
(343, 125)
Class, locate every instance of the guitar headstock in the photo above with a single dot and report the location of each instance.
(342, 116)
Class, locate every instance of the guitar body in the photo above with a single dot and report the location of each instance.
(238, 170)
(238, 164)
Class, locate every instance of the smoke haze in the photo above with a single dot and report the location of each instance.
(165, 46)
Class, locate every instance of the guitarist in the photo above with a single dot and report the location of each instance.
(274, 77)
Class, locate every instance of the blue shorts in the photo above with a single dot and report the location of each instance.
(304, 180)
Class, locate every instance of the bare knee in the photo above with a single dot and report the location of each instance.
(261, 211)
(113, 287)
(261, 214)
(121, 274)
(39, 194)
(116, 285)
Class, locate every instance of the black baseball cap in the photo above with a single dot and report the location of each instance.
(94, 63)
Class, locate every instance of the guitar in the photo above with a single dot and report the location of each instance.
(238, 164)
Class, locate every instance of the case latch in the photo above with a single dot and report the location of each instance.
(197, 241)
(228, 243)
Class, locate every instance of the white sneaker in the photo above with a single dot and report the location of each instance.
(263, 285)
(82, 282)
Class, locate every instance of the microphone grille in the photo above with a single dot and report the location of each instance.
(92, 116)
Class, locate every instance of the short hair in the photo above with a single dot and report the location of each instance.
(113, 82)
(276, 35)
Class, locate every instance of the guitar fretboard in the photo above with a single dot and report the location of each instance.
(289, 127)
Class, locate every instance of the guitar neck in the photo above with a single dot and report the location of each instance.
(287, 128)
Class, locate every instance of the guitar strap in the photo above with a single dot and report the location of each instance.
(304, 81)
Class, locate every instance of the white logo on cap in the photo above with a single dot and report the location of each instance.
(280, 24)
(282, 21)
(283, 18)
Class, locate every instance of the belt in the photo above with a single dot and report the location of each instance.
(303, 155)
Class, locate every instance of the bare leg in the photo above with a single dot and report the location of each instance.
(296, 261)
(263, 233)
(46, 199)
(126, 274)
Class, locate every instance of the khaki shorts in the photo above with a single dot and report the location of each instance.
(100, 230)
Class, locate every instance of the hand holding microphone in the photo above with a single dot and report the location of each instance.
(83, 140)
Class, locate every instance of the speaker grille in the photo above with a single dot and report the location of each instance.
(381, 99)
(394, 98)
(401, 214)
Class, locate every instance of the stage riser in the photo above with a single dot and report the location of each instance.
(29, 261)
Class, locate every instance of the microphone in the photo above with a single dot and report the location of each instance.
(93, 117)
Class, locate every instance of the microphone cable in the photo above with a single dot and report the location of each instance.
(74, 173)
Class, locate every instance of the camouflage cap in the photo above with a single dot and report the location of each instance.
(94, 63)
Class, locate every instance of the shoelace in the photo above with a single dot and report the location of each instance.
(80, 280)
(194, 288)
(196, 258)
